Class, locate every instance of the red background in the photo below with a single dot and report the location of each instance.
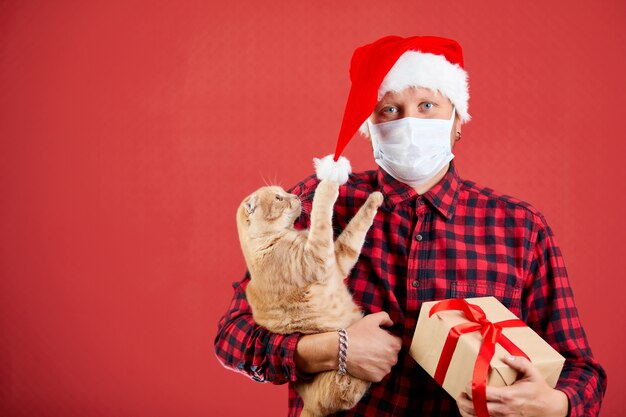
(130, 131)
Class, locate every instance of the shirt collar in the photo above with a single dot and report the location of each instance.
(442, 196)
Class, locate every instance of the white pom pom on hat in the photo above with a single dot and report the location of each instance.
(329, 169)
(393, 63)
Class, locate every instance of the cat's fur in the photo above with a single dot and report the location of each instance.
(297, 277)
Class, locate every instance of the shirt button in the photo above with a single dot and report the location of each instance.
(416, 284)
(418, 238)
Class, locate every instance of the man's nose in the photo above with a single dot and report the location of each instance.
(411, 111)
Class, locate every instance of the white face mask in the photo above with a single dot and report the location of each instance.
(412, 150)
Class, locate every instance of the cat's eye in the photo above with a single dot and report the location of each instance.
(279, 197)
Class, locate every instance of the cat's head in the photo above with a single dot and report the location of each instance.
(269, 209)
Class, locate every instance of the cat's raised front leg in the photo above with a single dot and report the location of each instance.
(319, 248)
(349, 243)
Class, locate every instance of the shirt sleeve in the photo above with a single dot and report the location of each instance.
(244, 346)
(551, 312)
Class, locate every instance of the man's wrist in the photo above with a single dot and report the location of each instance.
(558, 403)
(317, 353)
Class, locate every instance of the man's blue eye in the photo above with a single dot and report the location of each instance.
(391, 109)
(428, 106)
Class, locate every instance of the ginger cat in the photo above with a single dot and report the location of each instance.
(297, 278)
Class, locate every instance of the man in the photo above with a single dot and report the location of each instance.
(436, 237)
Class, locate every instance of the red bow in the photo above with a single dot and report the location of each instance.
(491, 334)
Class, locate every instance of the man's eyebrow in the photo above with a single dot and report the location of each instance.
(431, 97)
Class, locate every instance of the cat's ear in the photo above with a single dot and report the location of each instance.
(250, 204)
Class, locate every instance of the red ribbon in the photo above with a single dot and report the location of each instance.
(491, 334)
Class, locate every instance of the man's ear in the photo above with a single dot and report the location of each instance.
(250, 204)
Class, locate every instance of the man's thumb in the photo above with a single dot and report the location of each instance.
(520, 364)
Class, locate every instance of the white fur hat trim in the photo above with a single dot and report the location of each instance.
(327, 168)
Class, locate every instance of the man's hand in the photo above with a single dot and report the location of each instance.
(529, 396)
(372, 351)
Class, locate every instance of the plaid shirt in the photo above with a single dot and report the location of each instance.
(458, 239)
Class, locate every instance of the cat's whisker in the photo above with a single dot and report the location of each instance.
(264, 179)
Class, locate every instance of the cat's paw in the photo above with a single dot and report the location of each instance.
(376, 199)
(328, 188)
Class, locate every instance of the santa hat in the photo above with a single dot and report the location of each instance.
(392, 64)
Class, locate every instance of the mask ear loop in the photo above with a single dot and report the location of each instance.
(452, 119)
(373, 139)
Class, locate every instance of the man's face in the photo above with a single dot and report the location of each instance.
(418, 102)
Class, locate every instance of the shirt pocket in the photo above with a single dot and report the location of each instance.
(508, 295)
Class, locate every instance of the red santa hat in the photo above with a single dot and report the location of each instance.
(393, 64)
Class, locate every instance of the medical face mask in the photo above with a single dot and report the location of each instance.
(412, 150)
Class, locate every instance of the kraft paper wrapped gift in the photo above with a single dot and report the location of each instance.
(431, 334)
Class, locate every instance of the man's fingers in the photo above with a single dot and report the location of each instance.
(492, 394)
(497, 404)
(466, 407)
(497, 394)
(383, 319)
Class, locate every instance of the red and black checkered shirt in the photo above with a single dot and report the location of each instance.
(458, 239)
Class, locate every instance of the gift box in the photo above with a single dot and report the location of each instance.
(463, 340)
